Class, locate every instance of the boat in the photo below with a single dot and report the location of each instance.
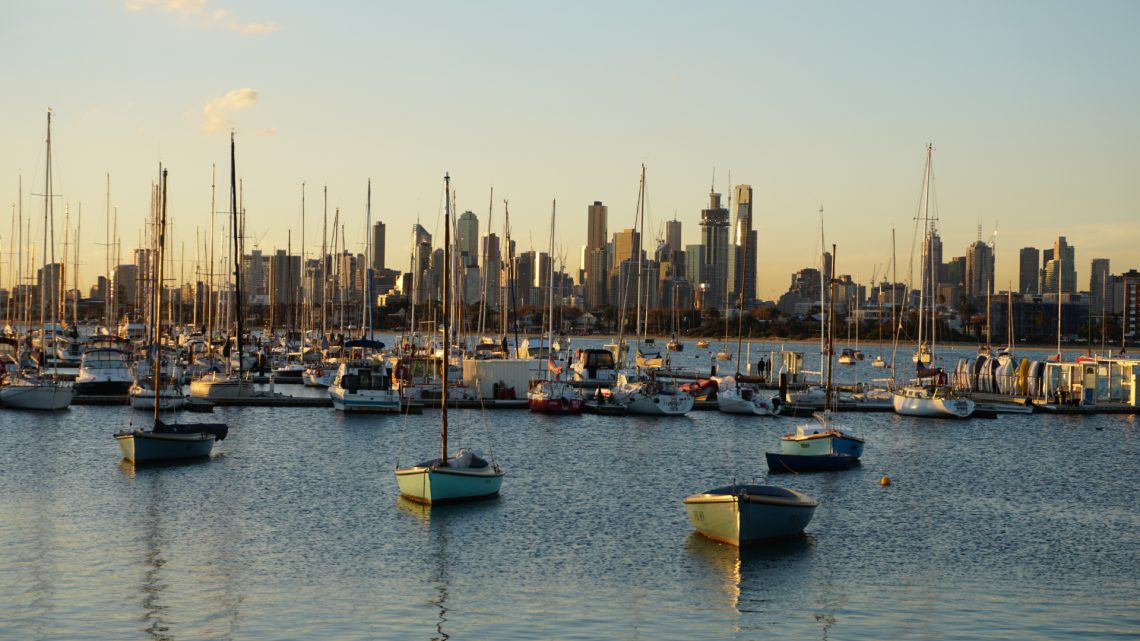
(744, 515)
(928, 395)
(165, 441)
(879, 362)
(37, 390)
(826, 445)
(674, 345)
(550, 394)
(649, 355)
(466, 475)
(216, 385)
(847, 357)
(594, 366)
(363, 382)
(104, 371)
(702, 344)
(642, 392)
(734, 396)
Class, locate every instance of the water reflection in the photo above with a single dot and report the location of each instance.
(742, 577)
(435, 526)
(154, 559)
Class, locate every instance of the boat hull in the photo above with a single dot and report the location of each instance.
(220, 388)
(732, 403)
(36, 397)
(740, 516)
(167, 400)
(932, 407)
(146, 447)
(781, 463)
(377, 401)
(102, 388)
(557, 405)
(434, 485)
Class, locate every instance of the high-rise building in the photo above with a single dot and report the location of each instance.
(1098, 285)
(378, 234)
(1027, 274)
(979, 270)
(597, 292)
(673, 235)
(596, 239)
(714, 240)
(467, 244)
(742, 255)
(492, 265)
(1060, 268)
(931, 261)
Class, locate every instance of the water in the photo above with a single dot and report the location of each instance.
(1019, 527)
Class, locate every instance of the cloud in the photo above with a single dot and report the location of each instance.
(217, 111)
(210, 16)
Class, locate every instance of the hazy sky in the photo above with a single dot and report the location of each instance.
(1033, 109)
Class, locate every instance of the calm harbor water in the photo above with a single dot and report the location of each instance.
(1013, 528)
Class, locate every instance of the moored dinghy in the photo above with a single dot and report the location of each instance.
(743, 515)
(466, 476)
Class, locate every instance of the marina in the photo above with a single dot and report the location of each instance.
(295, 529)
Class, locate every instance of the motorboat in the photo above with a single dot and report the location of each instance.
(104, 371)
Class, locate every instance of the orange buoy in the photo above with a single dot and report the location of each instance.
(885, 481)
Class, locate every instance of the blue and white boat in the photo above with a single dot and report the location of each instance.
(465, 476)
(743, 515)
(823, 439)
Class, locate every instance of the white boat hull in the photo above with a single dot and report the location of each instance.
(143, 399)
(146, 447)
(907, 405)
(45, 396)
(731, 402)
(383, 401)
(220, 388)
(648, 403)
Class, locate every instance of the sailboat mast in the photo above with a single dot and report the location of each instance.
(740, 317)
(368, 263)
(446, 296)
(550, 293)
(827, 401)
(640, 223)
(156, 351)
(236, 234)
(483, 266)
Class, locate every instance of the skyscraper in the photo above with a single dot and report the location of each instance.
(1060, 268)
(468, 242)
(1098, 284)
(742, 255)
(596, 273)
(714, 240)
(673, 235)
(378, 246)
(1027, 274)
(979, 270)
(931, 262)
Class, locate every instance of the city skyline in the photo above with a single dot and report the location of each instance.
(813, 107)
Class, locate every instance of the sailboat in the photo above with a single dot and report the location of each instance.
(466, 475)
(217, 385)
(647, 394)
(552, 395)
(928, 395)
(166, 442)
(34, 391)
(734, 396)
(363, 382)
(827, 447)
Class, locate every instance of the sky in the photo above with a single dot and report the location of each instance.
(1032, 108)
